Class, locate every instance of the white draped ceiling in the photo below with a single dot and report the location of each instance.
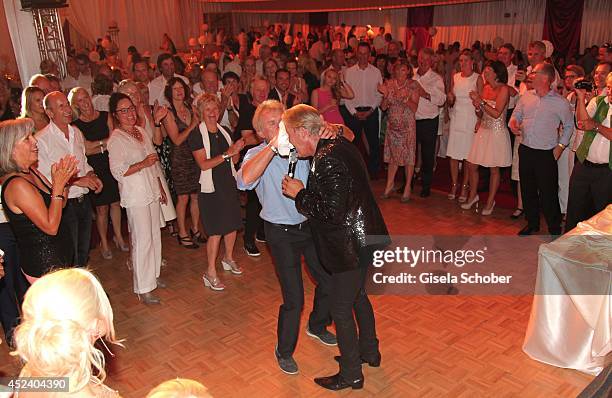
(515, 21)
(596, 23)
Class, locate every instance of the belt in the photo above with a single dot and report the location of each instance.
(291, 226)
(594, 165)
(363, 108)
(78, 199)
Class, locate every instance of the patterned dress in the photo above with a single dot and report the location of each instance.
(400, 136)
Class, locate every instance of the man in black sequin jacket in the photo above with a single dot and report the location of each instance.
(347, 225)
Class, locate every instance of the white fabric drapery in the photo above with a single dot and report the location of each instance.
(467, 23)
(394, 20)
(596, 23)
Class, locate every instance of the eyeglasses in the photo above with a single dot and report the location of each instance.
(570, 76)
(125, 111)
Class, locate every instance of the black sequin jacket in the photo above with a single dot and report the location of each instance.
(340, 206)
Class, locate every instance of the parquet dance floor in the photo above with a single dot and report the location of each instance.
(432, 346)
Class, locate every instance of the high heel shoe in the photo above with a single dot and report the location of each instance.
(213, 283)
(197, 237)
(468, 205)
(186, 242)
(106, 254)
(161, 283)
(149, 298)
(464, 193)
(517, 213)
(487, 212)
(405, 198)
(453, 192)
(230, 265)
(387, 194)
(123, 247)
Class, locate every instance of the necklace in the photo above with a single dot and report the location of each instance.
(133, 132)
(401, 87)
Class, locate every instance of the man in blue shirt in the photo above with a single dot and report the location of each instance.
(536, 118)
(288, 237)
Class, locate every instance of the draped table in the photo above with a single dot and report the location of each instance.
(570, 323)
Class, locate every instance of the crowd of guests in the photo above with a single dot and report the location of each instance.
(175, 144)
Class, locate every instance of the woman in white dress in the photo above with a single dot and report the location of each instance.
(491, 144)
(133, 162)
(462, 120)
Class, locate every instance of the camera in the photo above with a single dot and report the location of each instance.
(583, 85)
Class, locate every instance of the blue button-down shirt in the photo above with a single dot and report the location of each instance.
(275, 207)
(541, 116)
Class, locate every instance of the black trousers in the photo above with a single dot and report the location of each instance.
(371, 128)
(349, 303)
(13, 285)
(590, 191)
(78, 217)
(540, 187)
(254, 223)
(287, 245)
(426, 134)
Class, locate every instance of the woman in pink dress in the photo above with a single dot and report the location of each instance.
(401, 99)
(327, 97)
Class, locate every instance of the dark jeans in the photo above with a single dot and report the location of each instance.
(590, 191)
(287, 245)
(77, 217)
(371, 128)
(254, 223)
(426, 134)
(540, 187)
(349, 296)
(13, 285)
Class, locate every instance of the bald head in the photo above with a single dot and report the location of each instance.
(58, 108)
(41, 82)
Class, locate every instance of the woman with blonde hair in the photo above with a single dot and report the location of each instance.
(179, 388)
(96, 126)
(64, 313)
(216, 155)
(326, 99)
(32, 106)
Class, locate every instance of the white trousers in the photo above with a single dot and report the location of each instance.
(145, 236)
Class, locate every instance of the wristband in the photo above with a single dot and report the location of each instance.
(273, 149)
(58, 197)
(157, 124)
(596, 128)
(561, 145)
(225, 156)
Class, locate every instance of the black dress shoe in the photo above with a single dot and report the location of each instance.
(337, 382)
(528, 231)
(373, 364)
(425, 193)
(251, 249)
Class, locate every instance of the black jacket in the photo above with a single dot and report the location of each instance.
(340, 206)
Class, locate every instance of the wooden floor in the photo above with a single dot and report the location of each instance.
(431, 346)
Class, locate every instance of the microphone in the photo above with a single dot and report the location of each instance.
(293, 158)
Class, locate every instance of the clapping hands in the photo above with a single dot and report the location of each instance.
(63, 171)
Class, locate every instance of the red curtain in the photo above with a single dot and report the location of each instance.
(562, 23)
(420, 19)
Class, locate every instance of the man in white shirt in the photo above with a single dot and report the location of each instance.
(590, 189)
(85, 78)
(165, 64)
(379, 41)
(364, 78)
(536, 54)
(432, 97)
(55, 141)
(72, 76)
(140, 71)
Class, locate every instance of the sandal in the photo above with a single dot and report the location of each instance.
(213, 283)
(464, 193)
(186, 242)
(453, 192)
(197, 237)
(517, 214)
(230, 265)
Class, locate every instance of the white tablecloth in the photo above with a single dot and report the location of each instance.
(570, 325)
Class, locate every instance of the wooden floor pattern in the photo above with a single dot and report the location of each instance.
(432, 346)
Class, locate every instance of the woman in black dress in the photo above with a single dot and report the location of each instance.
(218, 200)
(95, 127)
(185, 172)
(32, 204)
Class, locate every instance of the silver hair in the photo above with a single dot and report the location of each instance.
(11, 132)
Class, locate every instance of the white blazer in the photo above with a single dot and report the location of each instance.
(142, 187)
